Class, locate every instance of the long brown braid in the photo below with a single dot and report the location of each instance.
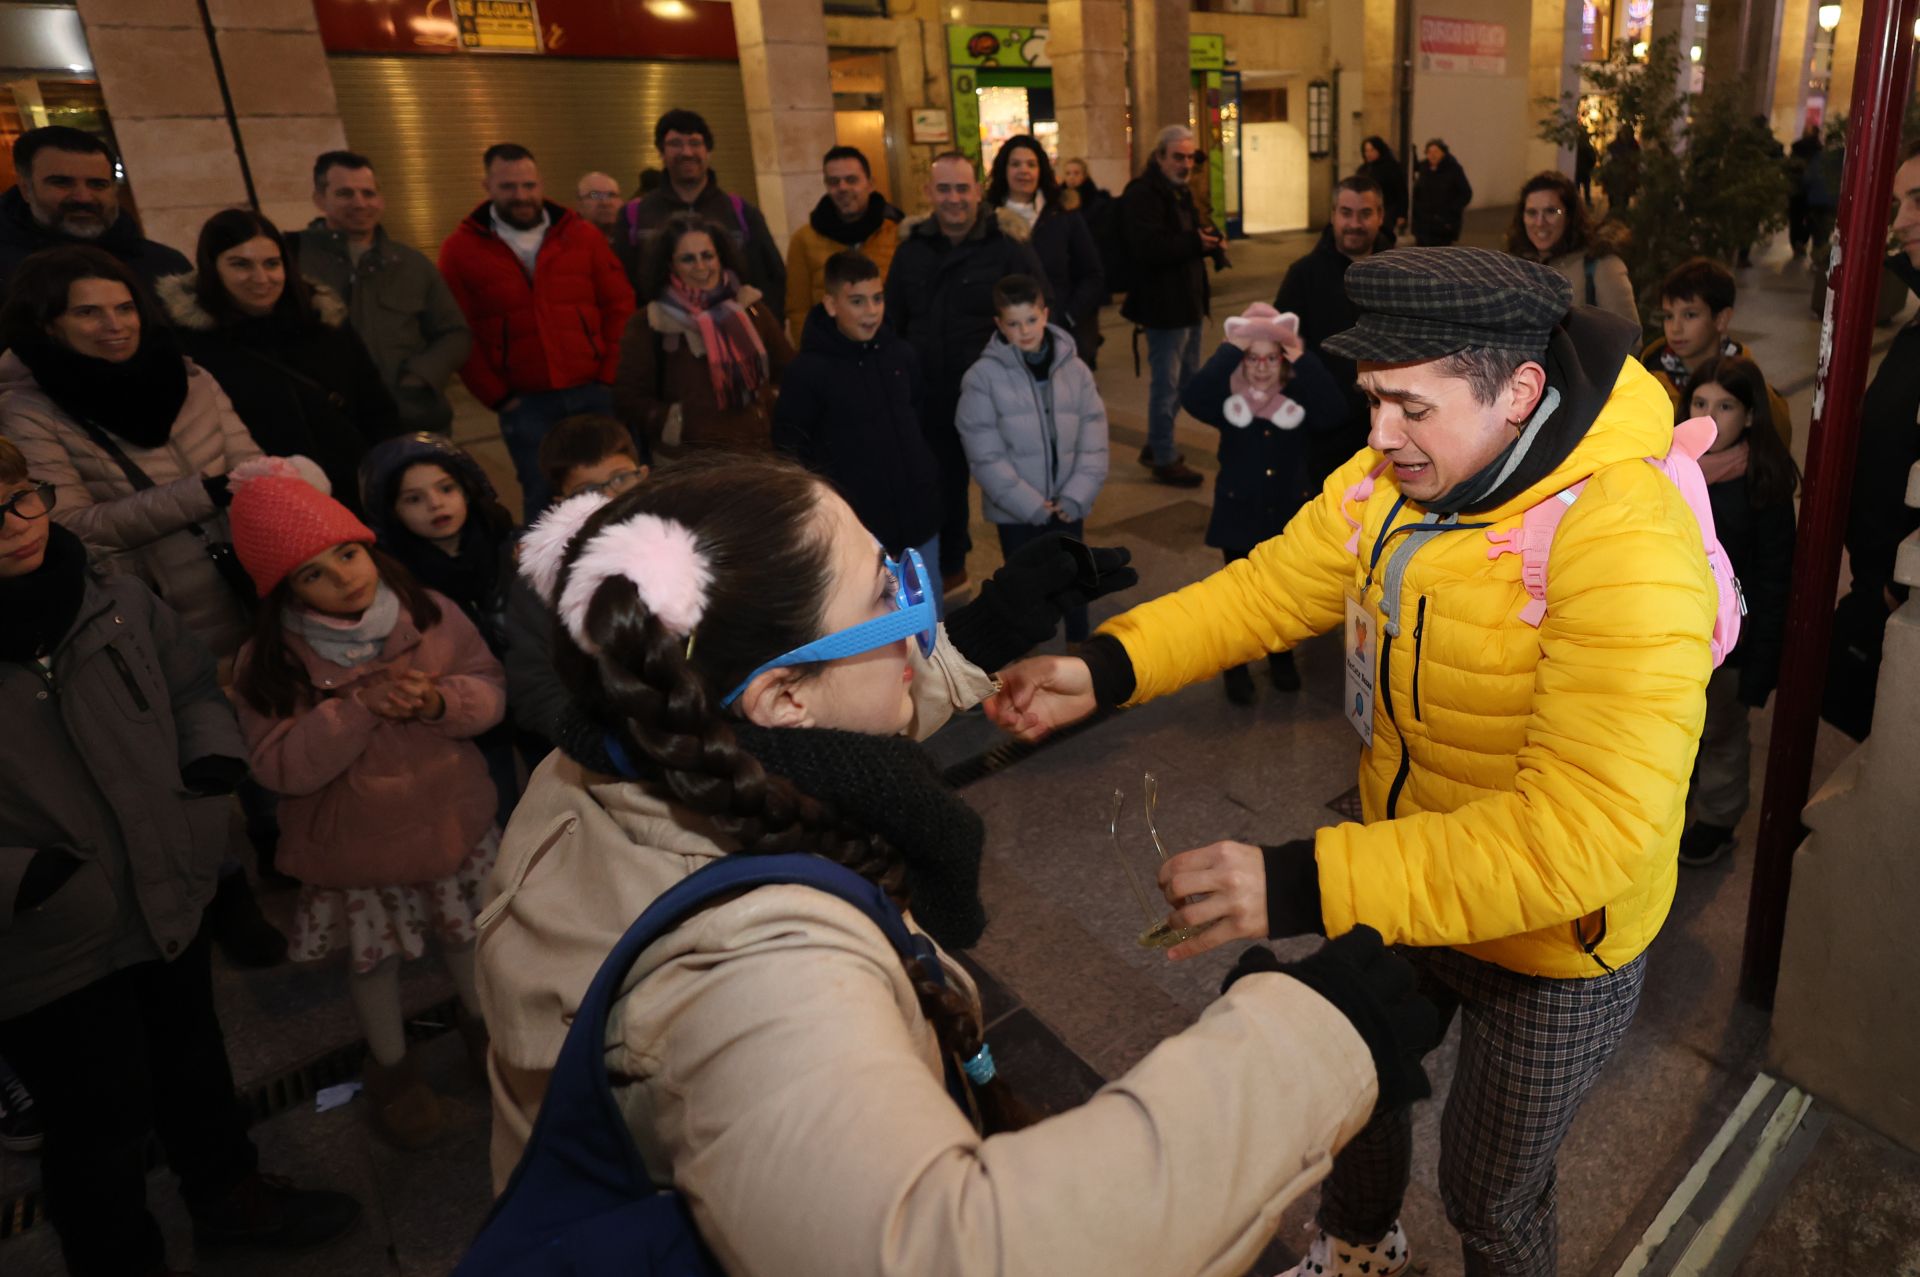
(663, 704)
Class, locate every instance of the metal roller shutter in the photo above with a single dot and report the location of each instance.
(424, 122)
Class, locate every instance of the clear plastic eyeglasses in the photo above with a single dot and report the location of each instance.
(1158, 934)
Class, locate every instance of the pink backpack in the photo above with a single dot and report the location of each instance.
(1533, 538)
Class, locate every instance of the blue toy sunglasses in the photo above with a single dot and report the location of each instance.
(914, 616)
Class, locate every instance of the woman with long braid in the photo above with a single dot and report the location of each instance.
(776, 1060)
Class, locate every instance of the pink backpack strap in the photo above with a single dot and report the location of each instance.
(1532, 540)
(1360, 493)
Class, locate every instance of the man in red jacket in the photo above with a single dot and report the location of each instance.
(547, 301)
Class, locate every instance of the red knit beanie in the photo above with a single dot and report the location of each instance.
(282, 516)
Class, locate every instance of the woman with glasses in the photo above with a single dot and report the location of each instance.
(135, 438)
(1551, 226)
(700, 359)
(745, 666)
(118, 749)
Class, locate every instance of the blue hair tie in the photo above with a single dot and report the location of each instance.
(979, 1069)
(617, 755)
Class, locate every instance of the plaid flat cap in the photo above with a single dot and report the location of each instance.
(1422, 303)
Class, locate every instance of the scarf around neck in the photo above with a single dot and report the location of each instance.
(1248, 403)
(37, 610)
(736, 357)
(826, 219)
(137, 399)
(347, 643)
(471, 578)
(886, 784)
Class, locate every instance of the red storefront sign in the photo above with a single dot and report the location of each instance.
(1461, 46)
(650, 29)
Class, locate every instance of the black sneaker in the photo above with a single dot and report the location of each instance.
(267, 1211)
(1284, 673)
(21, 1130)
(1703, 844)
(1239, 685)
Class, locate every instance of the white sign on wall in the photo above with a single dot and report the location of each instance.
(1462, 46)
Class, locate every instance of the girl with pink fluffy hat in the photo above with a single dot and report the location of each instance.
(1265, 393)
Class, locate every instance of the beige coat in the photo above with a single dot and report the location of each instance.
(778, 1072)
(1612, 287)
(144, 531)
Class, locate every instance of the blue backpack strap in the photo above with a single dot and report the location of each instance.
(579, 1120)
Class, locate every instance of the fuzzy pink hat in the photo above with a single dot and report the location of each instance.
(282, 516)
(1261, 322)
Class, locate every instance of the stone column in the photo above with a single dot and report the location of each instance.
(1553, 72)
(1742, 40)
(1797, 28)
(1677, 20)
(789, 93)
(1162, 70)
(209, 114)
(1088, 46)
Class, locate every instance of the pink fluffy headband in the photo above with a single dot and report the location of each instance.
(662, 559)
(1261, 322)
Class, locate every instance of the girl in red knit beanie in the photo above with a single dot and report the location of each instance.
(360, 694)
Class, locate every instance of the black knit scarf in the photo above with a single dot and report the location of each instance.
(826, 219)
(137, 399)
(886, 784)
(37, 610)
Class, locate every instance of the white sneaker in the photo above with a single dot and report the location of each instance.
(1329, 1256)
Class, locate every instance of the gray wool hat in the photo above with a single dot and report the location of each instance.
(1423, 303)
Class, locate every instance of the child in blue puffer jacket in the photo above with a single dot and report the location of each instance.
(1264, 391)
(1033, 426)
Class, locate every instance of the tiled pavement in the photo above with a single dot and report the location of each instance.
(1074, 1001)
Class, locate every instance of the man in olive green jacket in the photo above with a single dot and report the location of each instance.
(396, 299)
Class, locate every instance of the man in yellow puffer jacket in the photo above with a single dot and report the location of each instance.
(1523, 782)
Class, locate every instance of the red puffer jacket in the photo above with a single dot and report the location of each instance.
(559, 330)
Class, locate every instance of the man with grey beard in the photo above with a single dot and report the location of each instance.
(68, 193)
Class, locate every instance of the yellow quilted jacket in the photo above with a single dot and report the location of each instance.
(1525, 790)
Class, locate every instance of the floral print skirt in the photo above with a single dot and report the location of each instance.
(373, 924)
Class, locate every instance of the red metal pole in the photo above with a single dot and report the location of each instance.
(1880, 80)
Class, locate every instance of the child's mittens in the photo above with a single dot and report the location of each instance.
(1288, 415)
(1238, 411)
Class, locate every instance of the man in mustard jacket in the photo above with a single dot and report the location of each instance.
(1523, 778)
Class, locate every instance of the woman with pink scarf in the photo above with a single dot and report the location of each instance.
(1264, 391)
(700, 360)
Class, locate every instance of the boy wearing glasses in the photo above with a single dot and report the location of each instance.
(1267, 395)
(108, 861)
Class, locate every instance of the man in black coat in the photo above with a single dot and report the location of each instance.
(849, 409)
(1315, 289)
(940, 298)
(66, 193)
(1169, 245)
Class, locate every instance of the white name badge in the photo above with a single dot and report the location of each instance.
(1358, 657)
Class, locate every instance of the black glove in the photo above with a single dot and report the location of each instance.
(1293, 890)
(1374, 988)
(1022, 603)
(214, 775)
(219, 490)
(46, 873)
